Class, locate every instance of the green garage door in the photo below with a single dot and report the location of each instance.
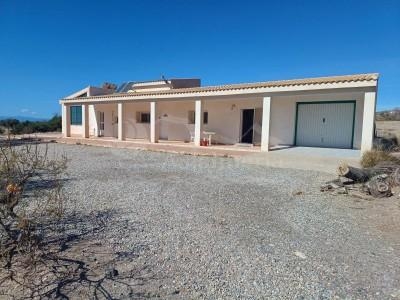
(325, 124)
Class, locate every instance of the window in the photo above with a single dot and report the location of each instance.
(101, 115)
(192, 117)
(76, 115)
(143, 117)
(205, 117)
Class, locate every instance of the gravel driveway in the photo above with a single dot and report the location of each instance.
(212, 228)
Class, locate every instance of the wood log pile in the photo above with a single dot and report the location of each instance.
(382, 180)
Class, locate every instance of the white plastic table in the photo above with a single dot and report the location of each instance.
(210, 134)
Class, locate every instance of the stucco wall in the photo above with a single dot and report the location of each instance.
(76, 130)
(224, 118)
(283, 115)
(134, 129)
(110, 114)
(173, 120)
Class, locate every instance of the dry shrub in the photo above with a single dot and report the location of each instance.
(372, 158)
(43, 241)
(30, 193)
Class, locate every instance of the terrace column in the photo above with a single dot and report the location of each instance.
(121, 127)
(266, 116)
(154, 132)
(198, 122)
(92, 114)
(66, 120)
(367, 136)
(85, 120)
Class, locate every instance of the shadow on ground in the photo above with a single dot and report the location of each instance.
(76, 262)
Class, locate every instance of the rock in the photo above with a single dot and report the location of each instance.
(300, 254)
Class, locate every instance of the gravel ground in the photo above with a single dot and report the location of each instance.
(212, 228)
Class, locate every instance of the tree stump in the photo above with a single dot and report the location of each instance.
(355, 174)
(396, 177)
(379, 187)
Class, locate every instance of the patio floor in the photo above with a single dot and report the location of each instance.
(305, 158)
(161, 146)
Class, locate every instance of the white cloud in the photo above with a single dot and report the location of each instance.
(28, 111)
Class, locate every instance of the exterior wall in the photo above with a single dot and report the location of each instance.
(76, 130)
(173, 120)
(90, 91)
(110, 118)
(134, 129)
(185, 83)
(95, 91)
(224, 118)
(283, 115)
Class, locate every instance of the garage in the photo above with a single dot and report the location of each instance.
(327, 124)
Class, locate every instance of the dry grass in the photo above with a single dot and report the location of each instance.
(388, 129)
(372, 158)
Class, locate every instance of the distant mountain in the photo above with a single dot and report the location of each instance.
(23, 118)
(388, 115)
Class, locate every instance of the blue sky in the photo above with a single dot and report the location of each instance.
(49, 49)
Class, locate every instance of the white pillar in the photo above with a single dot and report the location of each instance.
(66, 120)
(93, 116)
(367, 136)
(198, 122)
(85, 120)
(266, 116)
(121, 127)
(153, 123)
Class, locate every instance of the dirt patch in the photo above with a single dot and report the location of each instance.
(388, 129)
(381, 217)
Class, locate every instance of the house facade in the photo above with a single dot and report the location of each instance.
(331, 112)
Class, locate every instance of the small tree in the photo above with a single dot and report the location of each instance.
(55, 123)
(34, 233)
(9, 124)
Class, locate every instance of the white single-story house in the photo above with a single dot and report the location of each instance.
(331, 112)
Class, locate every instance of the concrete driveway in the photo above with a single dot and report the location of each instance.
(305, 158)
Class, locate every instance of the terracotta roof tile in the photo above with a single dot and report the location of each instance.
(255, 85)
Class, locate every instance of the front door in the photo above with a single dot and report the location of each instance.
(247, 126)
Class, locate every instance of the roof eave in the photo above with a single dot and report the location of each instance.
(203, 92)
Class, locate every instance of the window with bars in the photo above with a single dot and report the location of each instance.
(143, 117)
(101, 115)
